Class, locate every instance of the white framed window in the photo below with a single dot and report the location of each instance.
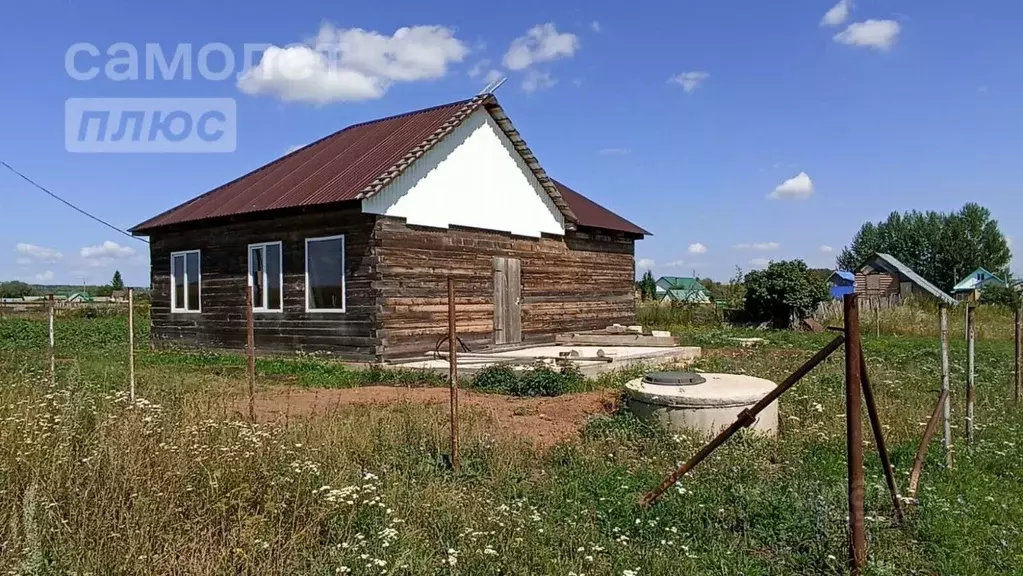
(186, 280)
(325, 274)
(266, 277)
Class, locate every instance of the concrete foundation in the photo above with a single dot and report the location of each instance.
(617, 358)
(708, 407)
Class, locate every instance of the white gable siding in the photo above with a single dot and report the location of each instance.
(473, 177)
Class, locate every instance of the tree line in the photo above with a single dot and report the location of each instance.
(19, 289)
(941, 247)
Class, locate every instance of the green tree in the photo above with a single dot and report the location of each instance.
(783, 291)
(117, 283)
(940, 247)
(647, 286)
(15, 289)
(736, 294)
(1005, 295)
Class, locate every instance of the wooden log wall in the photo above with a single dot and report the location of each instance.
(224, 270)
(876, 284)
(581, 282)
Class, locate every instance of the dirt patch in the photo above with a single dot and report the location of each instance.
(544, 421)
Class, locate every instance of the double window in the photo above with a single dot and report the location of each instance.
(325, 274)
(185, 281)
(266, 277)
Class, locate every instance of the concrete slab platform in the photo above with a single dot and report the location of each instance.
(619, 357)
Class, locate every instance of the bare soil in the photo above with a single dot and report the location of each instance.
(544, 421)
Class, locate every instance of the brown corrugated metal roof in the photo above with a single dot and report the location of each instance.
(356, 163)
(589, 213)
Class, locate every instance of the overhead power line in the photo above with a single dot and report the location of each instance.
(70, 205)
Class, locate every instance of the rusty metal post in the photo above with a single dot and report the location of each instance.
(946, 409)
(882, 449)
(53, 346)
(453, 375)
(250, 345)
(877, 316)
(131, 344)
(854, 434)
(971, 338)
(1019, 353)
(746, 418)
(921, 452)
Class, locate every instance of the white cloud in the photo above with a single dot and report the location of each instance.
(689, 81)
(759, 262)
(493, 76)
(595, 26)
(826, 249)
(47, 276)
(614, 151)
(38, 252)
(675, 264)
(799, 187)
(877, 34)
(293, 148)
(697, 248)
(838, 13)
(23, 261)
(478, 68)
(762, 246)
(107, 249)
(542, 43)
(644, 264)
(536, 80)
(349, 64)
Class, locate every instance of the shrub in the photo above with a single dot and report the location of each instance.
(497, 379)
(539, 380)
(783, 290)
(1001, 295)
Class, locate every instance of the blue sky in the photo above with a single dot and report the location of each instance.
(684, 117)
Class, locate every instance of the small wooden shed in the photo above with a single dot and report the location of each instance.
(883, 275)
(347, 245)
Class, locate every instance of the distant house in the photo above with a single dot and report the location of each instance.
(118, 295)
(883, 275)
(842, 283)
(682, 290)
(79, 297)
(970, 287)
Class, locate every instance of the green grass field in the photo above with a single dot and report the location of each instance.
(179, 484)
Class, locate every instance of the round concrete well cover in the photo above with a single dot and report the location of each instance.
(673, 379)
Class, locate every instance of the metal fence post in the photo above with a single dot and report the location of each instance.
(453, 375)
(53, 361)
(131, 344)
(251, 348)
(854, 434)
(946, 409)
(971, 338)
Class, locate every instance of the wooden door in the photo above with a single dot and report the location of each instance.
(507, 300)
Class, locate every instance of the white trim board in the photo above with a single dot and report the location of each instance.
(474, 177)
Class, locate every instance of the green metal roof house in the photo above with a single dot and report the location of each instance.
(969, 288)
(681, 289)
